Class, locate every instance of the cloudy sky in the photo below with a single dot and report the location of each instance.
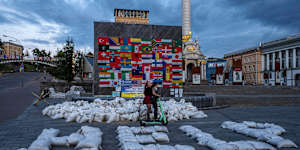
(222, 25)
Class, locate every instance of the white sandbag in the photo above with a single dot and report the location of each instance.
(22, 149)
(161, 129)
(92, 138)
(184, 147)
(250, 124)
(58, 116)
(261, 145)
(160, 137)
(286, 144)
(226, 146)
(74, 138)
(43, 142)
(165, 147)
(112, 117)
(90, 149)
(150, 147)
(125, 139)
(132, 146)
(99, 117)
(147, 130)
(275, 140)
(60, 141)
(83, 119)
(145, 139)
(72, 117)
(213, 143)
(198, 115)
(136, 130)
(243, 145)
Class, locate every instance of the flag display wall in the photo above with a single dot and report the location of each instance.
(130, 62)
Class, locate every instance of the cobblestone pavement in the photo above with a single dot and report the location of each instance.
(23, 130)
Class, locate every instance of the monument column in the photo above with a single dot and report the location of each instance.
(186, 17)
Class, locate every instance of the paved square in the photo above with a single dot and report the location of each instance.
(21, 132)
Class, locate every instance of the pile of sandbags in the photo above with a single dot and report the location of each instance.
(266, 132)
(74, 91)
(146, 138)
(206, 139)
(118, 109)
(54, 94)
(85, 138)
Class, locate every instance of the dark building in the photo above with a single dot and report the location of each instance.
(112, 29)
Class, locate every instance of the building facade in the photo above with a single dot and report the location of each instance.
(12, 51)
(129, 16)
(215, 71)
(281, 62)
(246, 66)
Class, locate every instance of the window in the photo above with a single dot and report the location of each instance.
(283, 57)
(265, 60)
(271, 61)
(290, 58)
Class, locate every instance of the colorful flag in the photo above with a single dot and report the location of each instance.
(113, 41)
(103, 40)
(126, 48)
(146, 49)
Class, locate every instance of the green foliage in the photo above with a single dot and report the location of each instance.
(40, 53)
(65, 70)
(1, 44)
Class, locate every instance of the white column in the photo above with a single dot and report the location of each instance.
(202, 72)
(294, 58)
(262, 62)
(186, 17)
(287, 58)
(280, 59)
(268, 62)
(273, 61)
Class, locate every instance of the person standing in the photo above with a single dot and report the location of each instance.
(147, 98)
(154, 98)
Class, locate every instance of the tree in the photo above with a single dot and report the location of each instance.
(36, 52)
(65, 67)
(1, 44)
(69, 51)
(43, 53)
(49, 54)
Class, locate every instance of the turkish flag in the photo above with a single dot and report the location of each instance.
(103, 40)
